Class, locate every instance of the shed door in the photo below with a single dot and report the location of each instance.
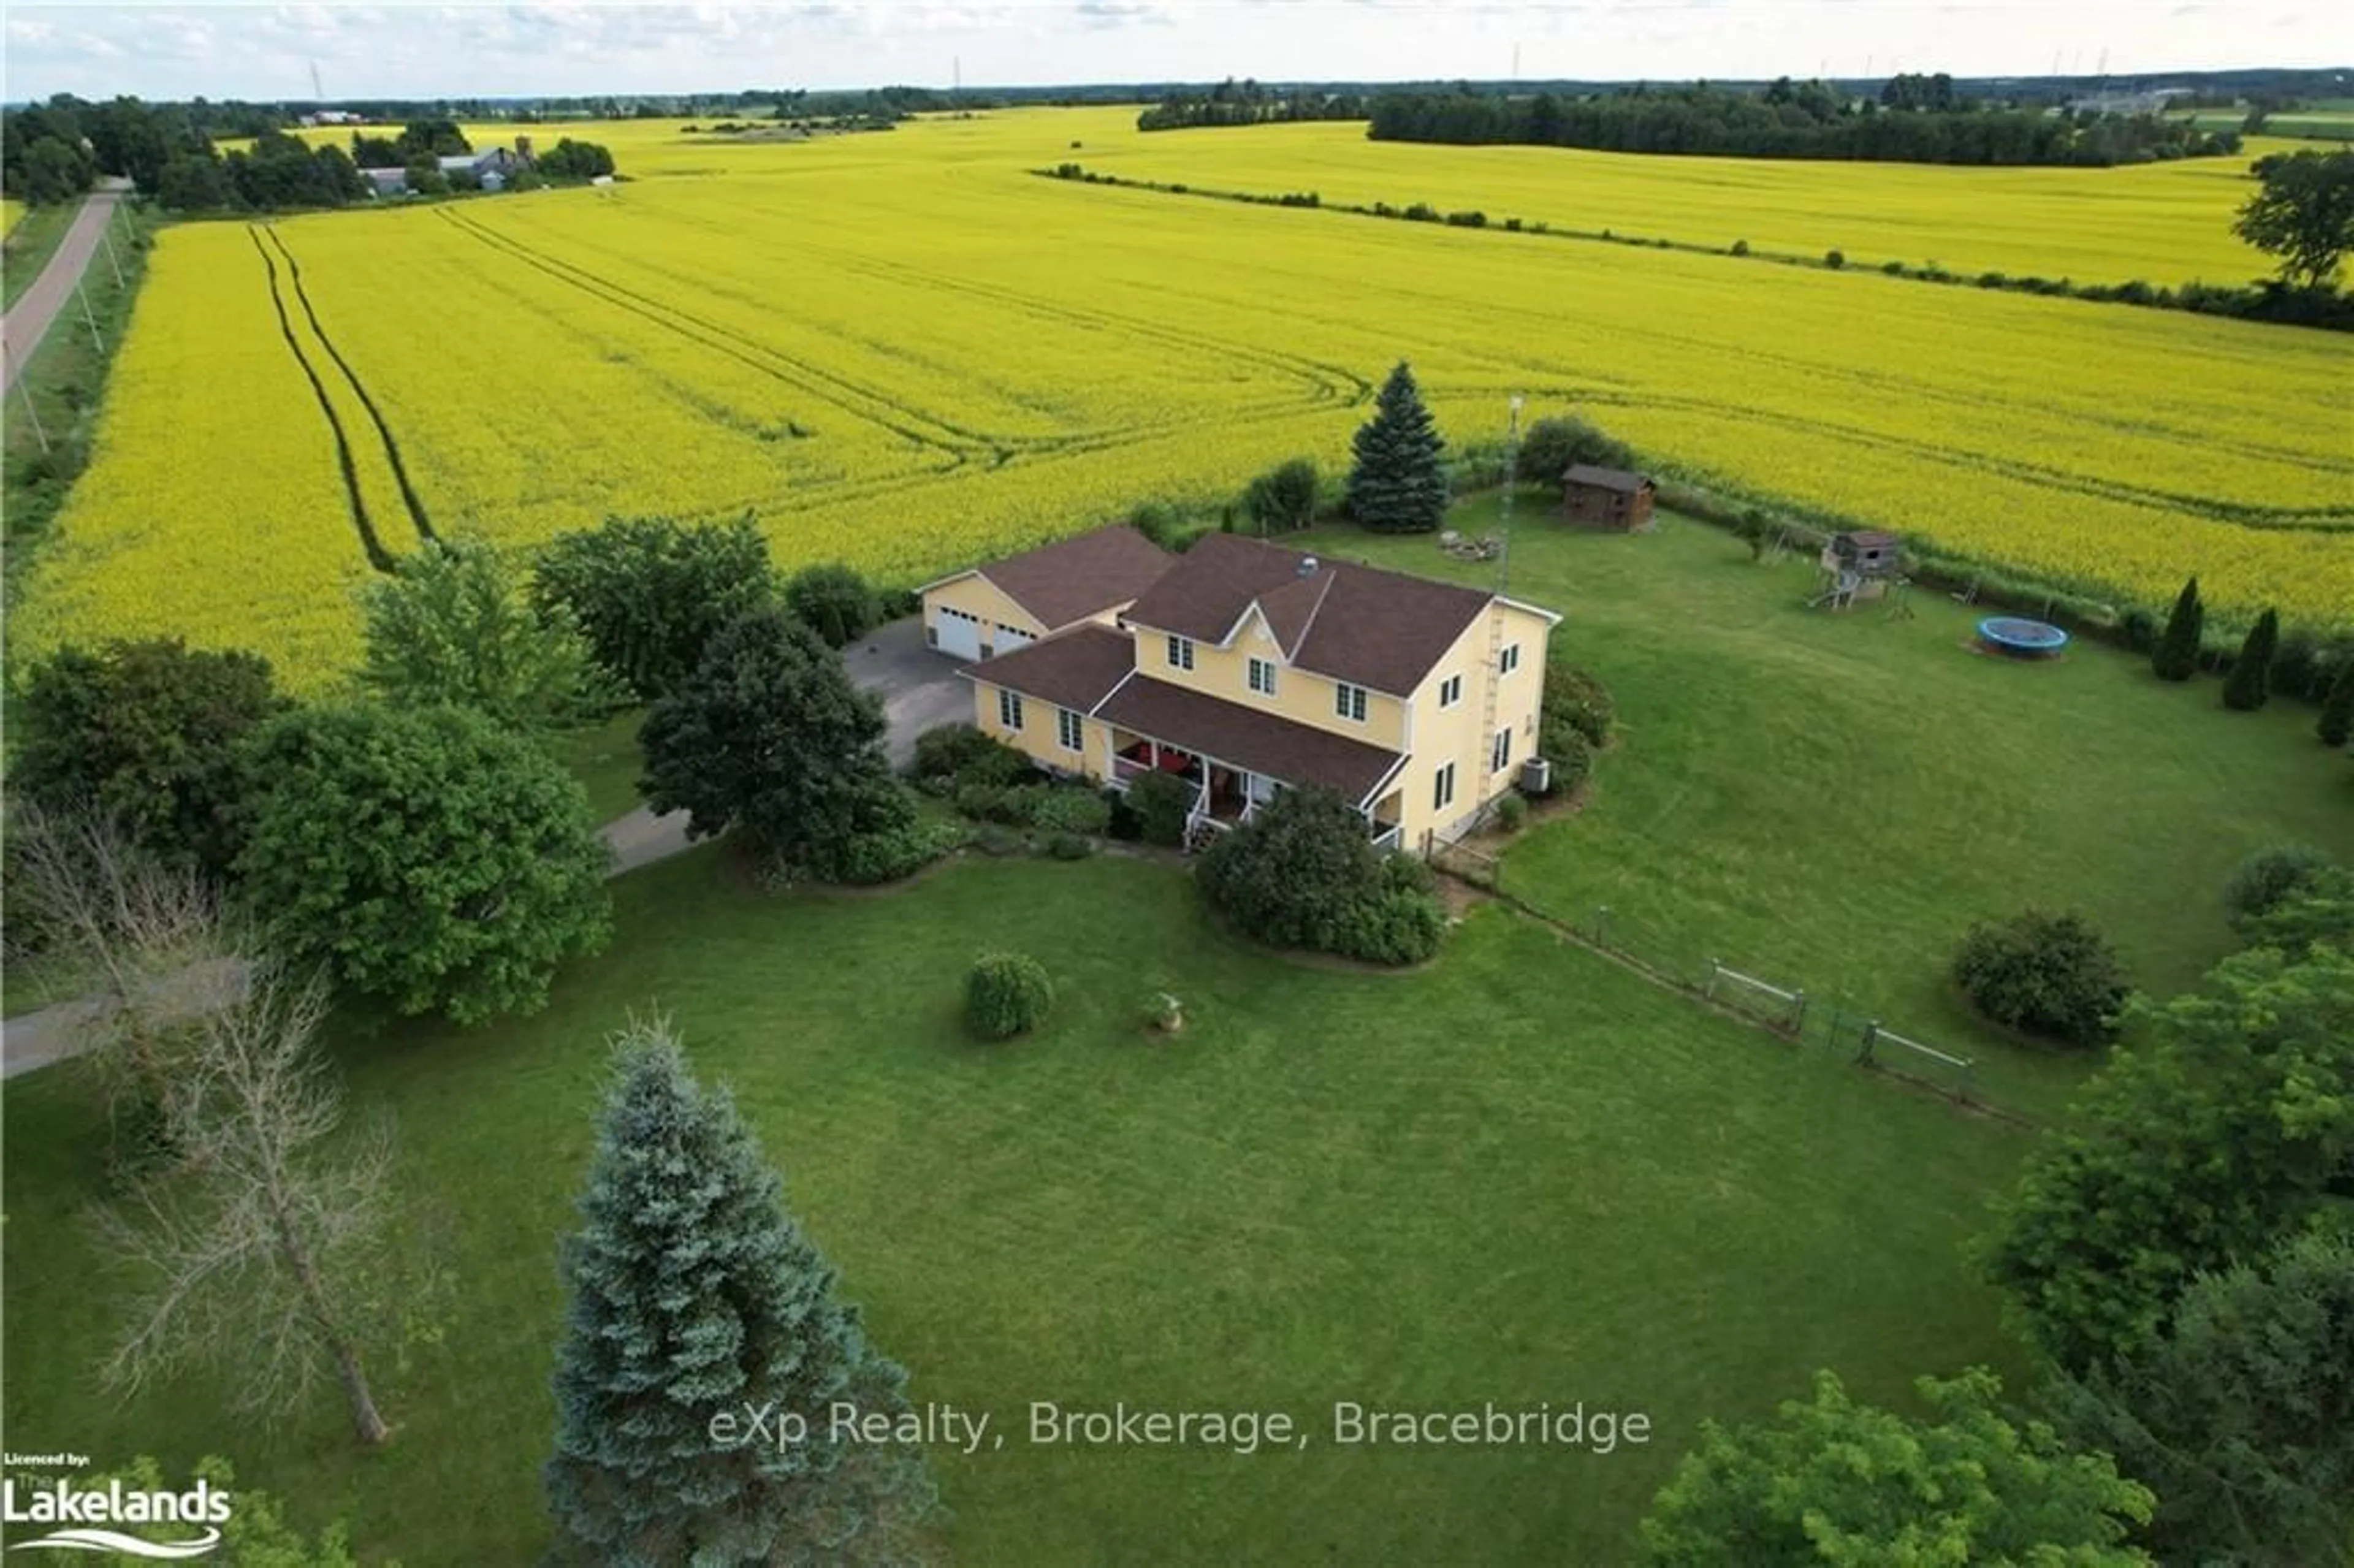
(958, 634)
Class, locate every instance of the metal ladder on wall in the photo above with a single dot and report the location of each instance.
(1490, 701)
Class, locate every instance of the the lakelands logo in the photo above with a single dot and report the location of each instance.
(88, 1517)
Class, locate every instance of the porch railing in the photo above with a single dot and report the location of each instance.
(1388, 839)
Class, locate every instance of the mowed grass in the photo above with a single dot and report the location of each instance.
(28, 238)
(1518, 1175)
(1829, 801)
(605, 759)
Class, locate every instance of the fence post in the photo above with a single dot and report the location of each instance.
(1798, 1017)
(1870, 1035)
(1602, 925)
(1970, 1081)
(1713, 969)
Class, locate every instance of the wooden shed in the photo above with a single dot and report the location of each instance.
(1607, 497)
(1867, 552)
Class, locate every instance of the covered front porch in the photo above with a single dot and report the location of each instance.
(1225, 794)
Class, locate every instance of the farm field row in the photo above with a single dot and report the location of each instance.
(904, 351)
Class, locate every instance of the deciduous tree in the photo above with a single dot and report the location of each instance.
(2230, 1125)
(650, 593)
(145, 733)
(769, 736)
(252, 1252)
(1837, 1482)
(2302, 212)
(451, 625)
(693, 1301)
(429, 860)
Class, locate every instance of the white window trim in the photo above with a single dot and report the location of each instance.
(1442, 790)
(1070, 729)
(1181, 653)
(1251, 675)
(1450, 691)
(1009, 709)
(1510, 659)
(1500, 751)
(1353, 711)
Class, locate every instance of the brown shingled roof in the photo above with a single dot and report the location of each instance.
(1297, 754)
(1371, 628)
(1616, 479)
(1074, 670)
(1074, 578)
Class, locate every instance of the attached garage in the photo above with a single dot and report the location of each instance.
(956, 633)
(1011, 637)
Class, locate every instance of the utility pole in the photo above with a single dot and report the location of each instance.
(82, 294)
(31, 413)
(106, 238)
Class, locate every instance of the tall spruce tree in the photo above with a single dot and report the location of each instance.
(697, 1302)
(2250, 682)
(2176, 658)
(1397, 485)
(2336, 726)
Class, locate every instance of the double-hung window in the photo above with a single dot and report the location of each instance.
(1349, 701)
(1502, 751)
(1442, 791)
(1068, 728)
(1181, 653)
(1262, 677)
(1009, 709)
(1450, 691)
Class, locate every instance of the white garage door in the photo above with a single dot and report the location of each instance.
(956, 633)
(1008, 638)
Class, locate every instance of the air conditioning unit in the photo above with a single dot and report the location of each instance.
(1536, 777)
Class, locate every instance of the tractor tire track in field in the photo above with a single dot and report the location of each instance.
(1330, 383)
(408, 496)
(378, 557)
(851, 399)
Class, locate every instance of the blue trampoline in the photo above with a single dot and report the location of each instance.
(2021, 638)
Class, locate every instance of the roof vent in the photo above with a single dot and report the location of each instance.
(1308, 566)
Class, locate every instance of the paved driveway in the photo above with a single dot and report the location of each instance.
(920, 689)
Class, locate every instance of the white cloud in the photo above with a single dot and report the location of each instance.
(433, 51)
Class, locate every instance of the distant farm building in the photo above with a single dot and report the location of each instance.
(1607, 497)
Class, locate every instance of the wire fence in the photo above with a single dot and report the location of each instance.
(1834, 1028)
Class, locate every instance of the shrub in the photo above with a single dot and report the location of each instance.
(1834, 260)
(1161, 802)
(1068, 810)
(1741, 248)
(1552, 444)
(1284, 497)
(1512, 814)
(951, 756)
(1571, 755)
(1302, 873)
(1006, 994)
(834, 601)
(1574, 698)
(1156, 520)
(982, 802)
(2043, 973)
(2249, 684)
(2336, 721)
(2175, 656)
(2268, 877)
(1070, 846)
(995, 839)
(1124, 824)
(2139, 629)
(890, 854)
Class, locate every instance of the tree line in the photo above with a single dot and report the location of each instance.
(1918, 119)
(1248, 103)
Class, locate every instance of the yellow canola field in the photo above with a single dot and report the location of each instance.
(902, 351)
(10, 211)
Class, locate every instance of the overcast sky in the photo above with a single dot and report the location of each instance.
(427, 51)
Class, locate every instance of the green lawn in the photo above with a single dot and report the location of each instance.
(27, 245)
(1518, 1175)
(1829, 801)
(605, 759)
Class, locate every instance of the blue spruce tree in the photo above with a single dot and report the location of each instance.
(1398, 484)
(695, 1297)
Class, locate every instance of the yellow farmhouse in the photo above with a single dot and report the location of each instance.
(1244, 668)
